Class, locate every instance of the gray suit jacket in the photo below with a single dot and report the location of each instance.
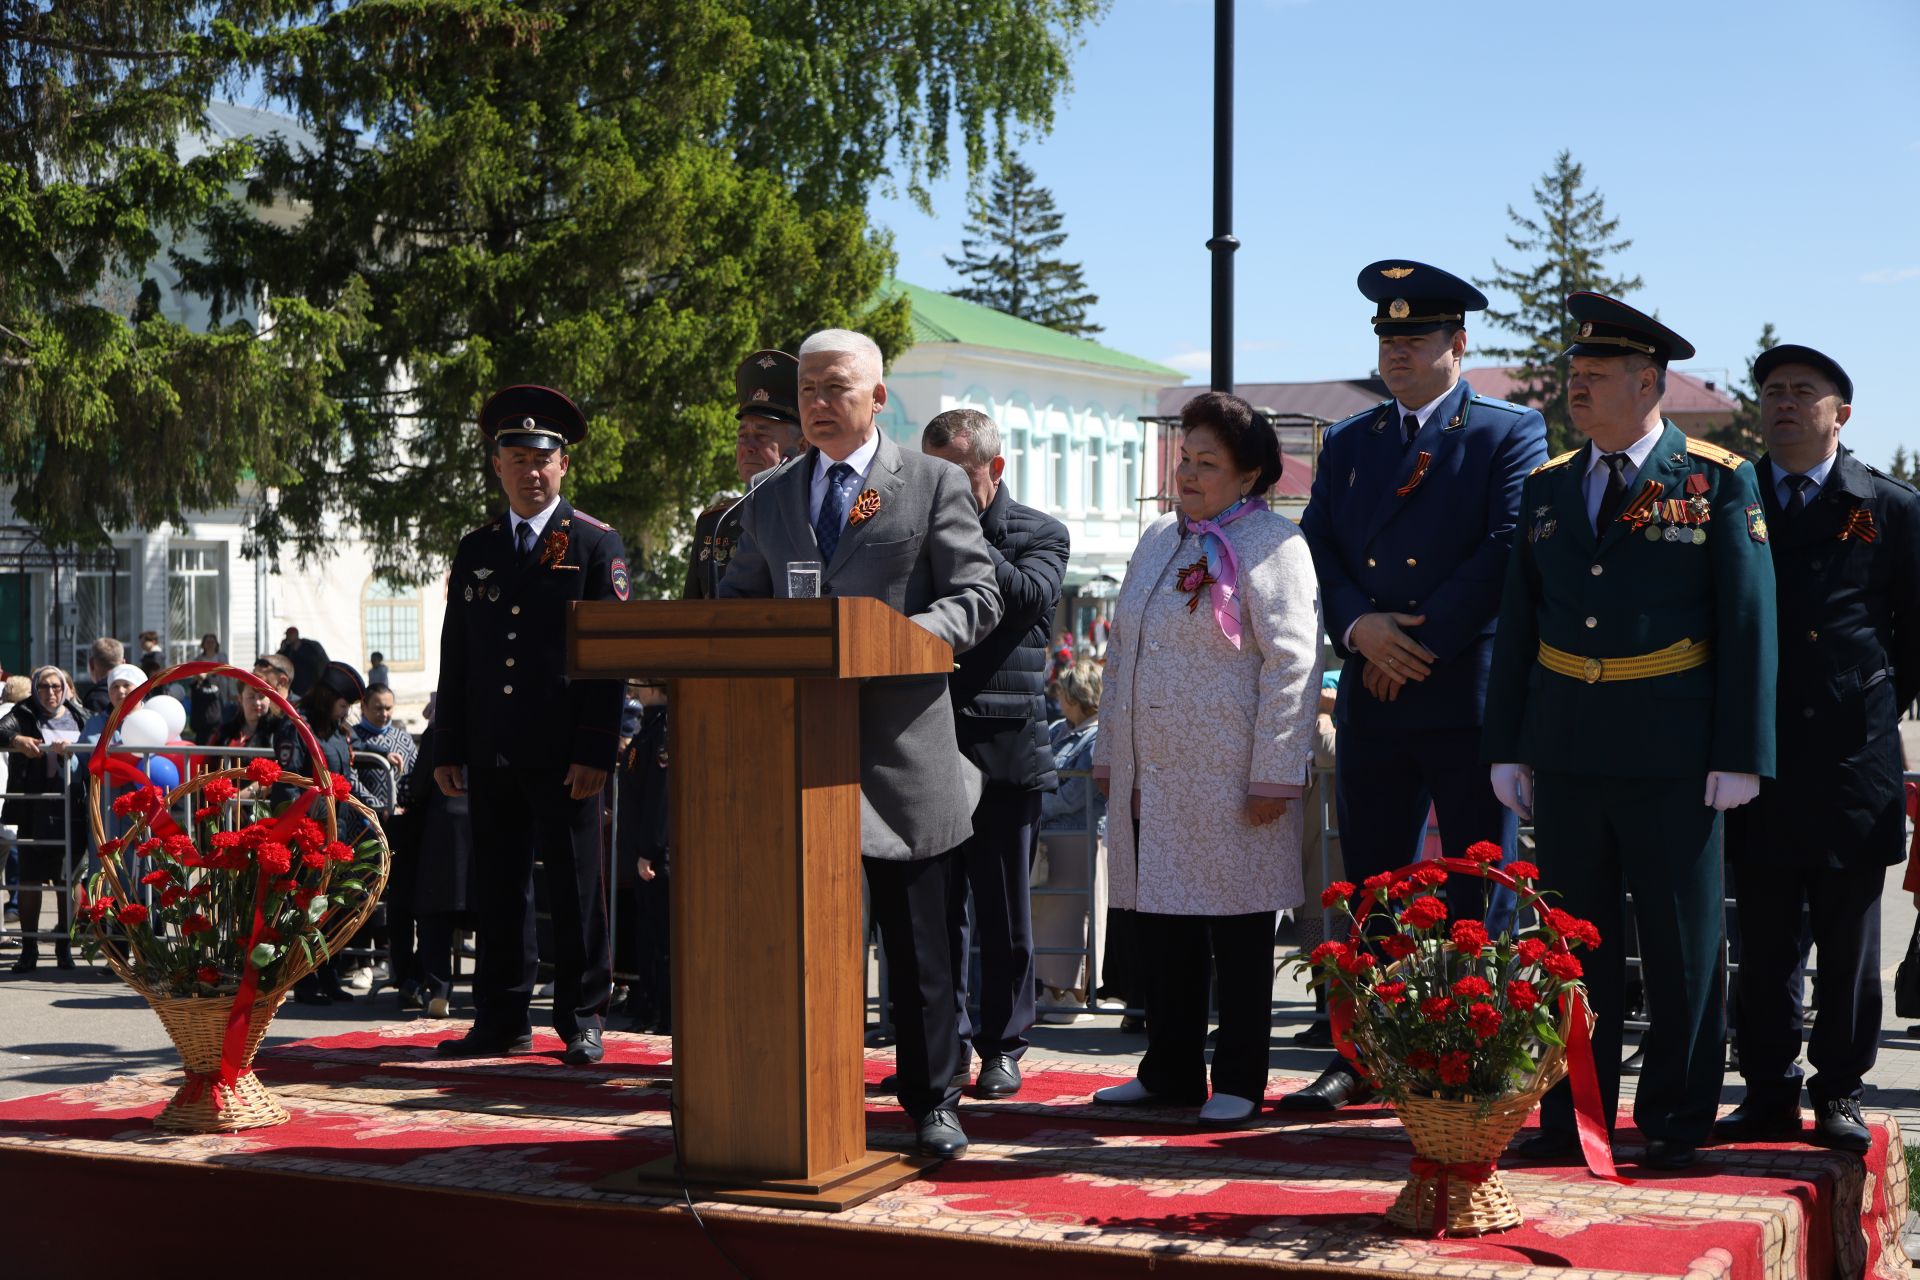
(924, 554)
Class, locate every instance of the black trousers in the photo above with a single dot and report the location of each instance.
(1599, 839)
(436, 953)
(1844, 905)
(994, 863)
(518, 815)
(910, 902)
(1241, 950)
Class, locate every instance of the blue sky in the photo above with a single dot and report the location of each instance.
(1763, 156)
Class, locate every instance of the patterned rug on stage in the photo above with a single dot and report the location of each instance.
(1047, 1169)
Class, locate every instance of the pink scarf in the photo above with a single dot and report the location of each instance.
(1222, 566)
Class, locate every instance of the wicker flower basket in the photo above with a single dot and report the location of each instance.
(221, 1092)
(1455, 1188)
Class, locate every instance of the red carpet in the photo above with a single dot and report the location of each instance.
(490, 1166)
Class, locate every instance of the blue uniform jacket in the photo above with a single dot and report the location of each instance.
(1393, 534)
(505, 697)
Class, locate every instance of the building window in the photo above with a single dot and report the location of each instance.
(1096, 474)
(1129, 473)
(1062, 467)
(196, 599)
(1024, 471)
(102, 604)
(390, 622)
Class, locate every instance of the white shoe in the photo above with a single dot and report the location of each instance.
(1224, 1108)
(358, 981)
(1132, 1093)
(1057, 1008)
(543, 992)
(439, 1007)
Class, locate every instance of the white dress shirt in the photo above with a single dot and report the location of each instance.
(861, 460)
(1817, 473)
(1424, 412)
(538, 521)
(1597, 470)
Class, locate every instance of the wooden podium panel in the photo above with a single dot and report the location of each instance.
(768, 988)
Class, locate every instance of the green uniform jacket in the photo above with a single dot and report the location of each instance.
(1624, 595)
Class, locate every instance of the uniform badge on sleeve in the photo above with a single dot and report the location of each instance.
(1757, 522)
(621, 586)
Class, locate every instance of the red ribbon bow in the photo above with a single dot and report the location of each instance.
(1470, 1172)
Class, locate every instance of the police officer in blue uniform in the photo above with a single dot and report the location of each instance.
(1631, 703)
(1413, 512)
(530, 747)
(1846, 557)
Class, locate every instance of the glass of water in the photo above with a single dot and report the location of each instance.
(803, 579)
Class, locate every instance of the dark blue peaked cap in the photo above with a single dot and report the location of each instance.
(1413, 297)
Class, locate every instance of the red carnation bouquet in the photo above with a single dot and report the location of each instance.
(191, 934)
(1437, 1008)
(213, 919)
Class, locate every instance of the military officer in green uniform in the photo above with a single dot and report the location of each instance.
(1631, 702)
(768, 386)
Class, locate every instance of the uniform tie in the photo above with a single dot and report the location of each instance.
(523, 541)
(833, 510)
(1797, 500)
(1409, 427)
(1616, 490)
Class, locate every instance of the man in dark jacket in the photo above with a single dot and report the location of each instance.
(999, 699)
(1824, 830)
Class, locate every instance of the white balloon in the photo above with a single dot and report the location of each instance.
(144, 728)
(170, 710)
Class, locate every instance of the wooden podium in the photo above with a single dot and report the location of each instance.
(768, 990)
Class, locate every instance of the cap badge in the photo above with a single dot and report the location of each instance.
(1586, 330)
(526, 424)
(1399, 309)
(1396, 273)
(760, 393)
(766, 362)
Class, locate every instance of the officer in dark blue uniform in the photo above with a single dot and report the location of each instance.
(767, 385)
(529, 746)
(1413, 512)
(1846, 557)
(1631, 703)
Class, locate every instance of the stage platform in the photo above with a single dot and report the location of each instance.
(395, 1161)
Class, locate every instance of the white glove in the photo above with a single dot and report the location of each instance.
(1513, 784)
(1731, 790)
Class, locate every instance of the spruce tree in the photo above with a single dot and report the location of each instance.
(1742, 434)
(1571, 236)
(1010, 256)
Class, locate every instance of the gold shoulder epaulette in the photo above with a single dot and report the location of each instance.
(1551, 463)
(717, 508)
(1714, 453)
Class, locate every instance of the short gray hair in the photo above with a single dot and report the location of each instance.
(845, 342)
(971, 425)
(1082, 683)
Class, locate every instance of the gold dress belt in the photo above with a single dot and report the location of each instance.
(1683, 655)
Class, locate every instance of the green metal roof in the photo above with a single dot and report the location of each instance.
(941, 317)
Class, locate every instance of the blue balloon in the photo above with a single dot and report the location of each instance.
(161, 772)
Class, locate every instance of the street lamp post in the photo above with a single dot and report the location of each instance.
(1224, 242)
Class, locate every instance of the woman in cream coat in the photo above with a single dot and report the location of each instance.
(1212, 682)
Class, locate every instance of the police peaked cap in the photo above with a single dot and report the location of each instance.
(1609, 327)
(343, 680)
(767, 385)
(1414, 298)
(531, 417)
(1787, 353)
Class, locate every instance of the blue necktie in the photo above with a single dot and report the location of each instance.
(833, 510)
(523, 541)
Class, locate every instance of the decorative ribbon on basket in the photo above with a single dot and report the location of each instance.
(218, 1084)
(1581, 1076)
(1472, 1171)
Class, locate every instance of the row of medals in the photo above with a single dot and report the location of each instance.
(483, 593)
(1679, 520)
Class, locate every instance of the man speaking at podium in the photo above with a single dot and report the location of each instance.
(900, 527)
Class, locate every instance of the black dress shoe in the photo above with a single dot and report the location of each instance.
(999, 1077)
(1337, 1087)
(584, 1048)
(1756, 1121)
(1548, 1144)
(1669, 1153)
(1839, 1124)
(1133, 1024)
(472, 1045)
(940, 1134)
(1315, 1035)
